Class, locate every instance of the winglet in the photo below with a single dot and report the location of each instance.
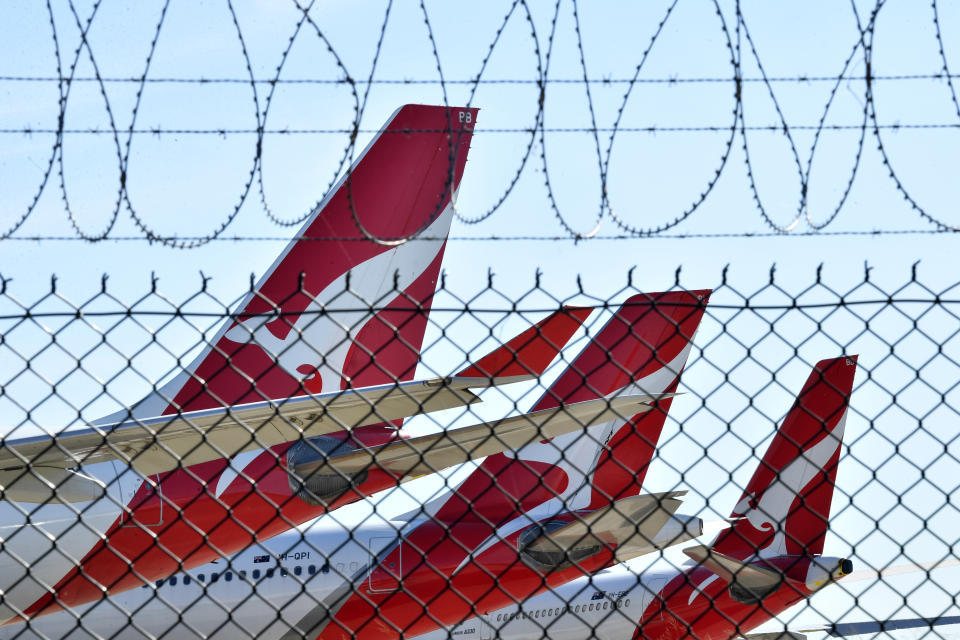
(532, 351)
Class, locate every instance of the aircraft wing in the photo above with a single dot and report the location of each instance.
(415, 457)
(159, 444)
(633, 526)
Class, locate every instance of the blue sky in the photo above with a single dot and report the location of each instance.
(189, 185)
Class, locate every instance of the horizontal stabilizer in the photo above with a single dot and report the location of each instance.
(160, 444)
(749, 577)
(631, 526)
(426, 454)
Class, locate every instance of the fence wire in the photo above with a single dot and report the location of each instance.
(128, 124)
(651, 465)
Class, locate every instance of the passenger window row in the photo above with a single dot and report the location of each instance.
(549, 613)
(228, 575)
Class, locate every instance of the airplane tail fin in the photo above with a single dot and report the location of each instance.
(640, 351)
(346, 303)
(785, 507)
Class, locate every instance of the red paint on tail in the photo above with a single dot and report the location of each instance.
(646, 343)
(293, 331)
(785, 508)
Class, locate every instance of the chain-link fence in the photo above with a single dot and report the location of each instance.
(684, 463)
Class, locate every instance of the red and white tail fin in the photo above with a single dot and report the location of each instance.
(346, 303)
(785, 507)
(641, 350)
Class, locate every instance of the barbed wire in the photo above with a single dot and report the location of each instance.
(857, 75)
(526, 238)
(799, 79)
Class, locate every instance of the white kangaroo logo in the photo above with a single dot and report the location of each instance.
(770, 511)
(577, 454)
(318, 342)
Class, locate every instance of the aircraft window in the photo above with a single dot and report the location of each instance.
(159, 583)
(173, 581)
(202, 578)
(550, 612)
(559, 609)
(297, 570)
(312, 569)
(591, 606)
(606, 605)
(228, 576)
(186, 580)
(498, 616)
(325, 568)
(626, 602)
(619, 603)
(283, 572)
(269, 573)
(214, 577)
(243, 575)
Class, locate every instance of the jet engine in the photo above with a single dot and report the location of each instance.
(311, 479)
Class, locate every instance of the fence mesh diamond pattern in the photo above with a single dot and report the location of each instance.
(690, 462)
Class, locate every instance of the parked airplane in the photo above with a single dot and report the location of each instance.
(768, 560)
(233, 449)
(519, 523)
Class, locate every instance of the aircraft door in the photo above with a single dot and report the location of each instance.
(486, 629)
(387, 564)
(142, 500)
(649, 593)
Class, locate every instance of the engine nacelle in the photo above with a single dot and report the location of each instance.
(319, 488)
